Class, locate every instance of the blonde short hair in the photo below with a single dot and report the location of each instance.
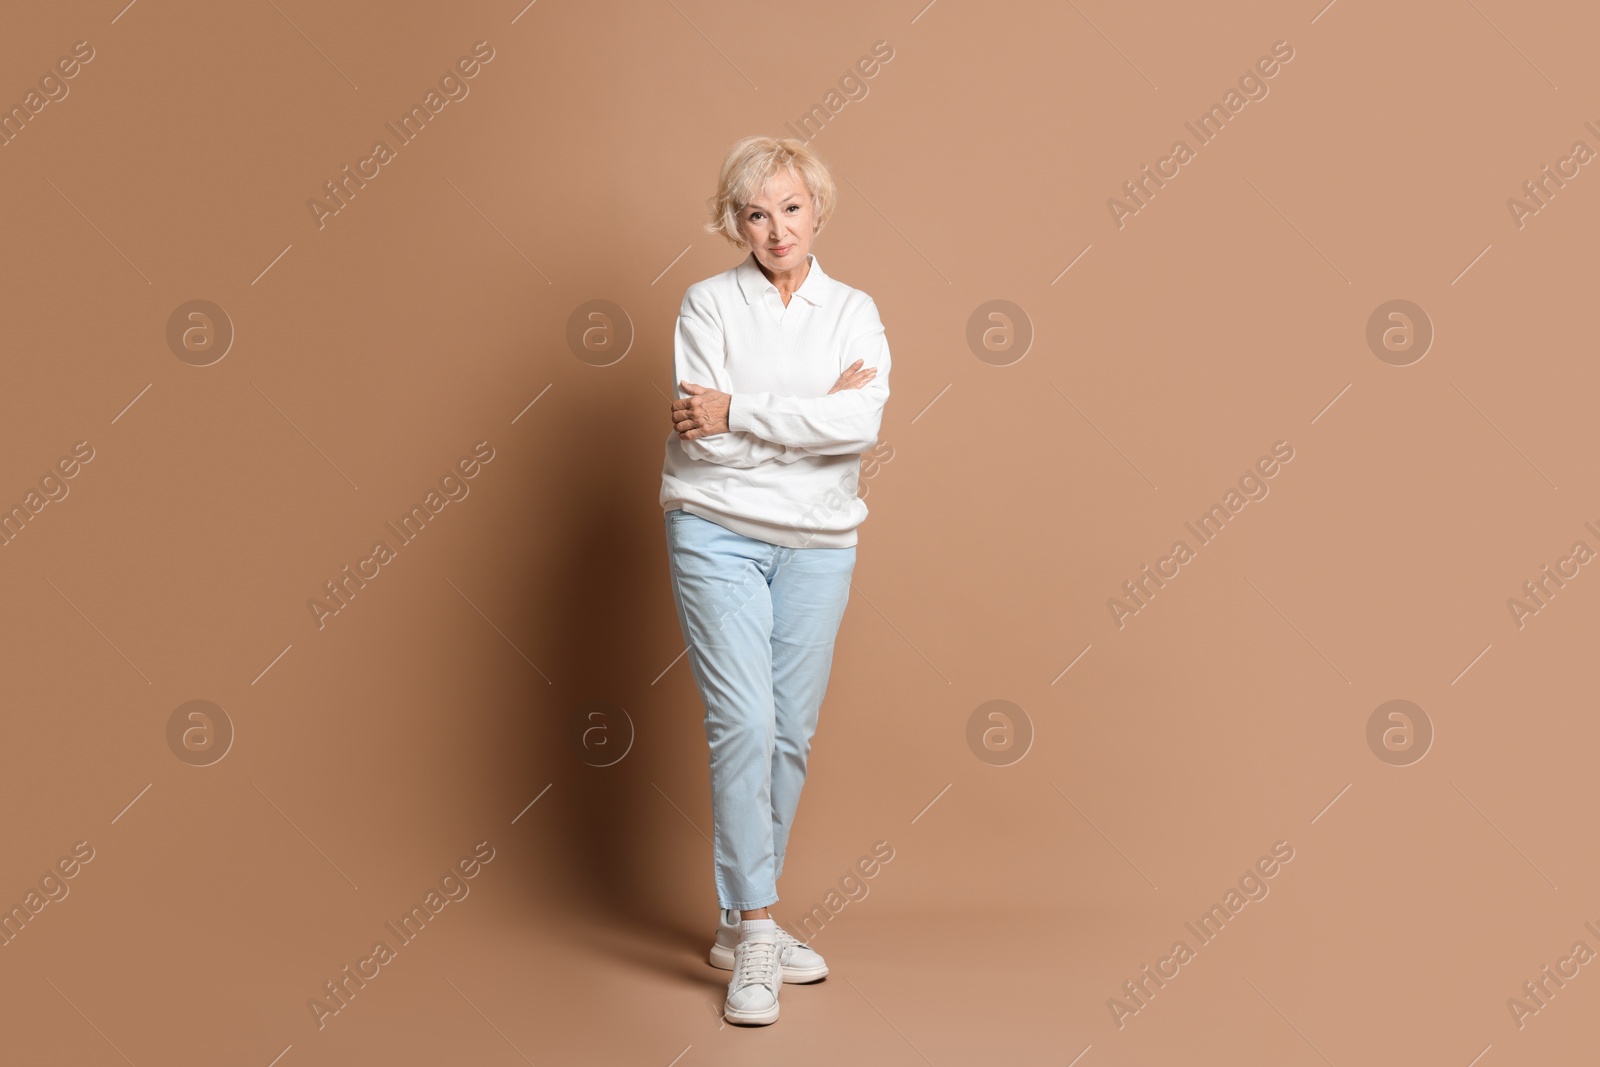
(750, 163)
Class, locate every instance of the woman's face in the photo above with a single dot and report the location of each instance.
(779, 223)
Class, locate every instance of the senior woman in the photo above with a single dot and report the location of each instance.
(782, 375)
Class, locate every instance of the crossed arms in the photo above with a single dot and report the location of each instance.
(765, 427)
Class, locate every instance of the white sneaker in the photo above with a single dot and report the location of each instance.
(753, 990)
(799, 961)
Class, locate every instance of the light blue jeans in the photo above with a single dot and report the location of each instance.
(760, 621)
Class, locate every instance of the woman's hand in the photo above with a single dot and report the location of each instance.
(700, 414)
(853, 377)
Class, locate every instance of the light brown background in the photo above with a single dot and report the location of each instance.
(1228, 715)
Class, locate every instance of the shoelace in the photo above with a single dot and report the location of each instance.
(787, 941)
(756, 961)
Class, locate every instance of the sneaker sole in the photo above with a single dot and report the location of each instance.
(722, 958)
(751, 1018)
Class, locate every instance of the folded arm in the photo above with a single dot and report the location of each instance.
(698, 358)
(836, 424)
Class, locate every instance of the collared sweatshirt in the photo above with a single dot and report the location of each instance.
(787, 470)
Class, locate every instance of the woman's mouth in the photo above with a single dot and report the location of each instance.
(781, 250)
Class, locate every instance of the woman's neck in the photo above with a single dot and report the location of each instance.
(786, 288)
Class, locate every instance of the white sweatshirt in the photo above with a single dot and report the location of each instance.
(787, 470)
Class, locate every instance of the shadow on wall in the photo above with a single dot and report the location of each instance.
(609, 852)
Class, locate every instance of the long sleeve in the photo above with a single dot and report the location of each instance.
(836, 424)
(698, 358)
